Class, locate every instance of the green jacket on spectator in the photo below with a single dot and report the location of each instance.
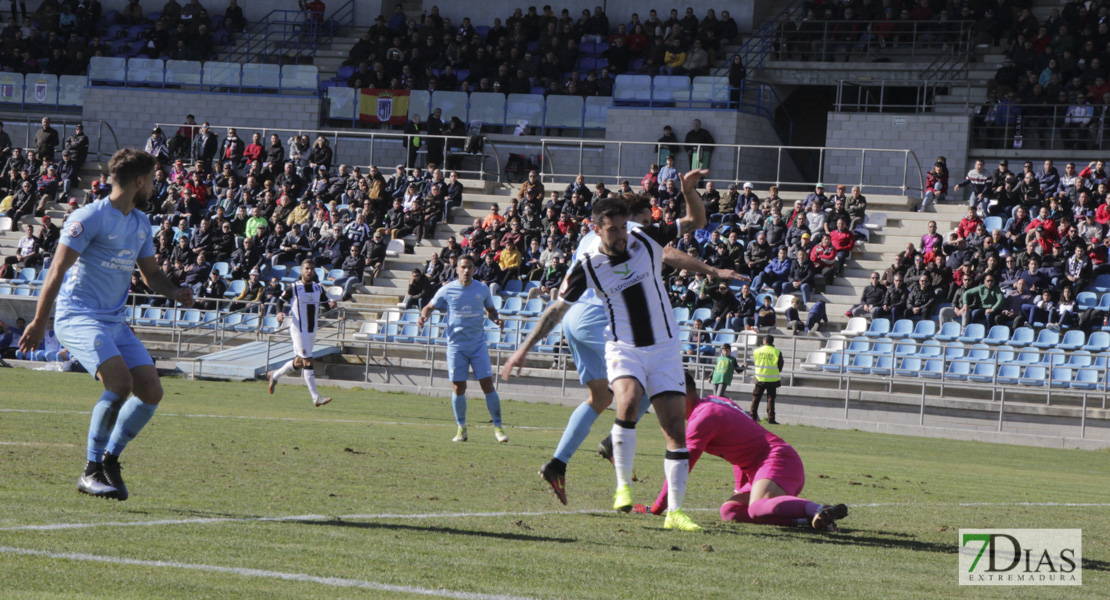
(984, 297)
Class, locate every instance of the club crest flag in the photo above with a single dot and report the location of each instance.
(383, 106)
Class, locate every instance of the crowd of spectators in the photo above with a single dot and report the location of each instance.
(535, 51)
(60, 37)
(1052, 88)
(830, 31)
(1030, 243)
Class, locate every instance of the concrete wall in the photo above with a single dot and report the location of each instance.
(133, 111)
(927, 135)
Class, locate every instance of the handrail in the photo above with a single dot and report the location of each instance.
(1042, 126)
(30, 124)
(925, 93)
(829, 40)
(754, 50)
(287, 35)
(607, 161)
(373, 137)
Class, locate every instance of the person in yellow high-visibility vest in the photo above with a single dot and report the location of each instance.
(768, 363)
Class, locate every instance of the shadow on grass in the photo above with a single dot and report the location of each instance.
(516, 537)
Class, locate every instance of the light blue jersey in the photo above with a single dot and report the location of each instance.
(109, 243)
(466, 312)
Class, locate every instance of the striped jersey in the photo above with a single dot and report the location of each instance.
(631, 289)
(304, 308)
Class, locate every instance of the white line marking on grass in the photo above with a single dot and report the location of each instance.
(464, 515)
(292, 419)
(383, 516)
(330, 581)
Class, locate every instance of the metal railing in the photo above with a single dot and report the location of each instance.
(370, 147)
(892, 40)
(1038, 126)
(761, 43)
(101, 146)
(897, 95)
(616, 161)
(287, 36)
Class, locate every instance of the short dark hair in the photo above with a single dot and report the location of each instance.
(608, 208)
(469, 257)
(636, 203)
(769, 339)
(127, 164)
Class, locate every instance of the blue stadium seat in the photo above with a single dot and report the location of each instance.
(999, 334)
(702, 313)
(512, 306)
(408, 334)
(532, 308)
(878, 328)
(1061, 377)
(724, 336)
(924, 330)
(410, 316)
(1008, 374)
(883, 366)
(1005, 354)
(512, 287)
(269, 324)
(835, 363)
(222, 268)
(882, 347)
(1027, 357)
(1052, 359)
(1079, 358)
(235, 288)
(954, 351)
(992, 223)
(1085, 379)
(1047, 338)
(958, 370)
(1101, 284)
(1086, 300)
(1073, 340)
(859, 345)
(861, 364)
(930, 349)
(682, 315)
(933, 368)
(949, 332)
(979, 353)
(1034, 375)
(1098, 342)
(909, 367)
(902, 329)
(249, 323)
(973, 334)
(904, 349)
(279, 271)
(983, 373)
(1022, 336)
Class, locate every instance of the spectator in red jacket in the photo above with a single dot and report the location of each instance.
(843, 241)
(823, 256)
(970, 223)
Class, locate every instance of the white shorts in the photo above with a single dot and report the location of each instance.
(658, 368)
(303, 343)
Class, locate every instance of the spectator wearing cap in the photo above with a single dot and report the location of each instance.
(817, 197)
(748, 196)
(76, 145)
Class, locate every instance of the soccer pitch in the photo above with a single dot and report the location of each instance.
(239, 494)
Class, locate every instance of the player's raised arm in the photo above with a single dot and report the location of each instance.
(548, 320)
(36, 329)
(695, 207)
(156, 280)
(680, 260)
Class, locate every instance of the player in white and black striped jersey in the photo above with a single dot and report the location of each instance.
(642, 350)
(303, 299)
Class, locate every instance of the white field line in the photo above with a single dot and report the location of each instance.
(291, 419)
(301, 577)
(465, 515)
(37, 444)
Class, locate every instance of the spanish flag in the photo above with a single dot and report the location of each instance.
(383, 106)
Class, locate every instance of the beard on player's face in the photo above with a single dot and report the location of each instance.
(142, 200)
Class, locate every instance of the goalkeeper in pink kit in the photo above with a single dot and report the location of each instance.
(769, 472)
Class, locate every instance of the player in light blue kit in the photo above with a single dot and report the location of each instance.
(105, 240)
(584, 328)
(467, 303)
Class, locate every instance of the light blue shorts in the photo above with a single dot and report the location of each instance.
(584, 327)
(92, 342)
(461, 360)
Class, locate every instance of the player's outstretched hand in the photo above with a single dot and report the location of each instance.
(32, 336)
(692, 177)
(730, 274)
(184, 297)
(516, 360)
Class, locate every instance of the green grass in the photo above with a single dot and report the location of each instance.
(370, 453)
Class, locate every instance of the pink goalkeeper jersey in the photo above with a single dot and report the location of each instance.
(718, 426)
